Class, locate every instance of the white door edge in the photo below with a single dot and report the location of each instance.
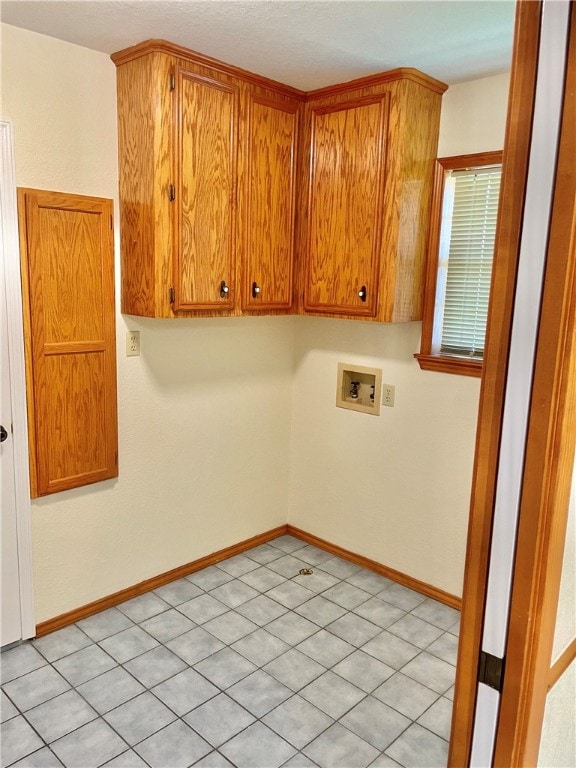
(487, 705)
(535, 228)
(534, 240)
(10, 246)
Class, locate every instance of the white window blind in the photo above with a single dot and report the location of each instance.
(465, 261)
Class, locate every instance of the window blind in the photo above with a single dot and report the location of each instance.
(470, 252)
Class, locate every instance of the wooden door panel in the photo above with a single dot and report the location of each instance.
(345, 206)
(206, 192)
(68, 284)
(71, 394)
(269, 199)
(71, 290)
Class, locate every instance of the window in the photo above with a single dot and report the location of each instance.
(461, 248)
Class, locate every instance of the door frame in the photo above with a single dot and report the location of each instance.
(548, 469)
(551, 435)
(10, 246)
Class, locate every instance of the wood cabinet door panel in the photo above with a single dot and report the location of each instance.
(71, 395)
(347, 167)
(206, 119)
(68, 285)
(268, 204)
(71, 291)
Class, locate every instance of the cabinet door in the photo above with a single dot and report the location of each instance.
(68, 290)
(267, 205)
(347, 170)
(205, 195)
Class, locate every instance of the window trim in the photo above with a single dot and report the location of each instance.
(427, 360)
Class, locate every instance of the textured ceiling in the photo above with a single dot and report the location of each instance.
(304, 43)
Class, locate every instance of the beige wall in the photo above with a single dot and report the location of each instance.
(204, 413)
(228, 426)
(473, 116)
(558, 740)
(396, 487)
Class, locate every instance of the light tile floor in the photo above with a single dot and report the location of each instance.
(246, 664)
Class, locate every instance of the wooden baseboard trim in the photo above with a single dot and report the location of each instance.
(401, 578)
(71, 617)
(561, 664)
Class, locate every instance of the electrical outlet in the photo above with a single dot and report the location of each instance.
(388, 395)
(132, 343)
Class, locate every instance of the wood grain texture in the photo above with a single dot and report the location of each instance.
(401, 73)
(418, 136)
(68, 259)
(136, 127)
(212, 67)
(267, 202)
(382, 227)
(145, 173)
(206, 118)
(514, 172)
(462, 367)
(411, 140)
(548, 466)
(347, 176)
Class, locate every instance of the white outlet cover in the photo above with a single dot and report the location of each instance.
(388, 395)
(132, 343)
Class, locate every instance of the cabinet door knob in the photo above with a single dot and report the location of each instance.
(224, 290)
(3, 434)
(255, 290)
(363, 293)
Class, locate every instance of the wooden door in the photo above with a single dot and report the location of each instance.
(347, 170)
(531, 669)
(267, 203)
(205, 196)
(527, 418)
(68, 285)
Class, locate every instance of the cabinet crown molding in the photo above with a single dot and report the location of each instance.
(164, 46)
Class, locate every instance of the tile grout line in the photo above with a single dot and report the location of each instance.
(261, 591)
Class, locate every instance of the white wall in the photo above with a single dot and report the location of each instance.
(204, 413)
(558, 739)
(473, 116)
(394, 488)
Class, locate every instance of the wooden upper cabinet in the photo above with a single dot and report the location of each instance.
(207, 185)
(239, 194)
(347, 176)
(267, 203)
(206, 118)
(371, 145)
(68, 289)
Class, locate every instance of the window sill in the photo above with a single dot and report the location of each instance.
(454, 365)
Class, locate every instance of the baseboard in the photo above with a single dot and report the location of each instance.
(71, 617)
(401, 578)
